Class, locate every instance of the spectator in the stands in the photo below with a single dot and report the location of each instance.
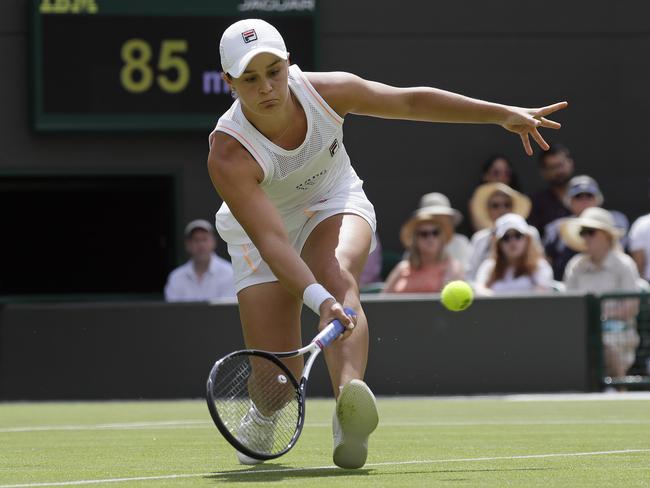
(372, 270)
(556, 167)
(489, 202)
(517, 264)
(205, 276)
(602, 267)
(458, 246)
(639, 242)
(498, 169)
(428, 267)
(583, 192)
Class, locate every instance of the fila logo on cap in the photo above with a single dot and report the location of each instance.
(249, 36)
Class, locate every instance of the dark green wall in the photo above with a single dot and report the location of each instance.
(151, 350)
(593, 54)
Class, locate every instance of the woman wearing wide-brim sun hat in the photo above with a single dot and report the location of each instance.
(492, 200)
(426, 215)
(602, 267)
(459, 246)
(438, 204)
(427, 267)
(489, 202)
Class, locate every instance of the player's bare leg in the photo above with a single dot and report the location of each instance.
(270, 318)
(336, 252)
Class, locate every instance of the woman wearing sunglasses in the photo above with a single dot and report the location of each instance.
(428, 266)
(489, 202)
(518, 264)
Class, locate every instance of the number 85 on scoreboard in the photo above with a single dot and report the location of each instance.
(100, 65)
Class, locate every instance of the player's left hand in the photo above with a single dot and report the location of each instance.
(526, 121)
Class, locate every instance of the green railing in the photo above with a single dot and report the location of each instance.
(620, 325)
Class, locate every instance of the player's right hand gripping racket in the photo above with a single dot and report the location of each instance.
(255, 401)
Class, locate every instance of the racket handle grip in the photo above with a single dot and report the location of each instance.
(332, 331)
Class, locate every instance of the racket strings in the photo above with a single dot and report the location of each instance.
(257, 402)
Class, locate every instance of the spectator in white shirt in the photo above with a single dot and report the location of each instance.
(205, 276)
(602, 267)
(517, 264)
(639, 243)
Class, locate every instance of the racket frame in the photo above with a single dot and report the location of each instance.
(322, 340)
(214, 413)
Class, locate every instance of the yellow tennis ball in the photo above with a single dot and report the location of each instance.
(457, 295)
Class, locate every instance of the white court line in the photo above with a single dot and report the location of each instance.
(111, 426)
(579, 397)
(313, 468)
(200, 424)
(526, 397)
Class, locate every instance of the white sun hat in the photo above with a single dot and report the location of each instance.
(245, 39)
(511, 221)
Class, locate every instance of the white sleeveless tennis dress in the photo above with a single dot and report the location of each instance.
(307, 184)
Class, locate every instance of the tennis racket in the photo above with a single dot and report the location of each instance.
(256, 402)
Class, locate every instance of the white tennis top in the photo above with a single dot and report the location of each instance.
(299, 181)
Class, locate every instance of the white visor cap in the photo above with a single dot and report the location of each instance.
(245, 39)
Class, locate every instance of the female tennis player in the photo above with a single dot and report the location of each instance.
(297, 222)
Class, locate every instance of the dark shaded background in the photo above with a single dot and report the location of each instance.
(594, 54)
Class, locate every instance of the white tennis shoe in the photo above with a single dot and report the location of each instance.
(354, 420)
(262, 428)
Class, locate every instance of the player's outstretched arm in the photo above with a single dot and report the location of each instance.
(236, 177)
(348, 93)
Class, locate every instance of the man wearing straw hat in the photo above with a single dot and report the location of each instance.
(602, 267)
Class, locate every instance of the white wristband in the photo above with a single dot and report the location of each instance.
(314, 296)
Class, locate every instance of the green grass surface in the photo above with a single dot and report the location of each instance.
(420, 442)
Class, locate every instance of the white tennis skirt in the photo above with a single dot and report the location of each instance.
(248, 266)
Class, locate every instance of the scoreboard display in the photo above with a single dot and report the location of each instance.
(145, 64)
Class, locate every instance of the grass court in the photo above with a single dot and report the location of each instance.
(536, 441)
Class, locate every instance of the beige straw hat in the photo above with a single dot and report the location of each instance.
(421, 216)
(592, 218)
(438, 204)
(521, 204)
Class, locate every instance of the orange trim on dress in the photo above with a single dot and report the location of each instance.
(248, 259)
